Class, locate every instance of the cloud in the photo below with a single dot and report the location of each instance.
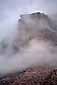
(36, 53)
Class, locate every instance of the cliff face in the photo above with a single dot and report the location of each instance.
(35, 26)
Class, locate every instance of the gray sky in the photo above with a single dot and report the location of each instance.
(11, 9)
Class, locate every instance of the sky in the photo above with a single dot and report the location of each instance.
(11, 9)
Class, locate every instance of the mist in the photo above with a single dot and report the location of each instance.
(36, 52)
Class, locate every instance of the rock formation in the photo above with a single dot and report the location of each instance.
(35, 26)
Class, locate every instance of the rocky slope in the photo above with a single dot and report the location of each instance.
(32, 76)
